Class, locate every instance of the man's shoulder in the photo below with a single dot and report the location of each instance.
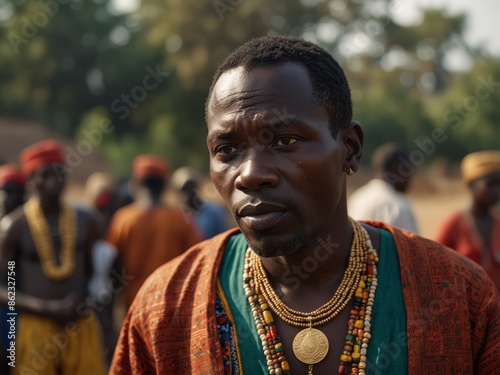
(191, 270)
(425, 260)
(127, 214)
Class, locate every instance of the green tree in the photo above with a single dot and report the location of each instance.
(61, 59)
(468, 110)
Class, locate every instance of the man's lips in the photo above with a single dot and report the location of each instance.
(260, 216)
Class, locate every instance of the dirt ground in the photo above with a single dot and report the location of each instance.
(431, 209)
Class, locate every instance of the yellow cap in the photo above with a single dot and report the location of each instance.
(480, 164)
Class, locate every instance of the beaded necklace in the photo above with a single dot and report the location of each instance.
(40, 232)
(311, 345)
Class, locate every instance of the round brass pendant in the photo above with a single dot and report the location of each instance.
(310, 346)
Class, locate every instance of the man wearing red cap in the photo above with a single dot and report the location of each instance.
(148, 233)
(11, 188)
(47, 245)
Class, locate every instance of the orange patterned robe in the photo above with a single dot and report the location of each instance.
(453, 312)
(148, 238)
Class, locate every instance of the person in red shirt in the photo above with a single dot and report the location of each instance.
(475, 232)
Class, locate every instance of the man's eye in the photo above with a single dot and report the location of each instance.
(285, 141)
(226, 150)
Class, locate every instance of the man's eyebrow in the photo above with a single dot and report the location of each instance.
(280, 124)
(283, 122)
(220, 135)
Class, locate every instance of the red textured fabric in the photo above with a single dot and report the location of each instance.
(10, 173)
(459, 233)
(453, 313)
(40, 154)
(149, 166)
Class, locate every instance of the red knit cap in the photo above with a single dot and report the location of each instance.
(150, 166)
(40, 154)
(10, 173)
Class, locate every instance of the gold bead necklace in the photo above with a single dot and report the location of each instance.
(311, 345)
(40, 232)
(334, 306)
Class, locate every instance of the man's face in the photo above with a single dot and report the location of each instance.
(486, 190)
(273, 159)
(47, 183)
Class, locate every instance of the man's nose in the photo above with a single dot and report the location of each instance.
(257, 171)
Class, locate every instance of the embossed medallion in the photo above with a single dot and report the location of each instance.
(310, 346)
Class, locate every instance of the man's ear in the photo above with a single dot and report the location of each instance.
(352, 137)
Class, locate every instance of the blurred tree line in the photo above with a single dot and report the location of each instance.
(82, 66)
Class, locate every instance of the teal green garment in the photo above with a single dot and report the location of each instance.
(387, 351)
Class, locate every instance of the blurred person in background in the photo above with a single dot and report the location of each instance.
(383, 198)
(148, 232)
(211, 217)
(12, 188)
(475, 231)
(48, 245)
(124, 195)
(99, 196)
(12, 195)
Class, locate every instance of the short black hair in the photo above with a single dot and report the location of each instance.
(330, 86)
(388, 157)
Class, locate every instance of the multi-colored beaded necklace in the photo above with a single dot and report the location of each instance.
(311, 345)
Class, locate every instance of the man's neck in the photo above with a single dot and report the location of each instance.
(50, 205)
(145, 198)
(480, 211)
(319, 265)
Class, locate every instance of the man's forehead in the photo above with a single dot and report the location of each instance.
(284, 82)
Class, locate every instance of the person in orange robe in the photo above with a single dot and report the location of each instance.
(475, 232)
(148, 233)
